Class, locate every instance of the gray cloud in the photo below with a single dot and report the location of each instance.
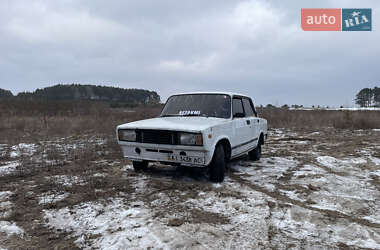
(253, 47)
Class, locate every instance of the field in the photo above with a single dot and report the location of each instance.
(64, 185)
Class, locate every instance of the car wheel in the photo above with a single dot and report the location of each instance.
(255, 154)
(140, 165)
(218, 165)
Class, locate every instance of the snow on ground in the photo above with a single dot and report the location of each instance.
(7, 227)
(10, 228)
(5, 204)
(111, 226)
(8, 167)
(306, 192)
(299, 223)
(265, 172)
(123, 226)
(255, 218)
(65, 145)
(248, 225)
(3, 149)
(66, 180)
(50, 197)
(23, 149)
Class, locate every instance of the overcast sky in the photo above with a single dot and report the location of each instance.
(252, 47)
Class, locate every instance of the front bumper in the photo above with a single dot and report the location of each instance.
(173, 154)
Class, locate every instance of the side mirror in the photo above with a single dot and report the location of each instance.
(238, 115)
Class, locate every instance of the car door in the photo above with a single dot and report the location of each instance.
(252, 120)
(241, 127)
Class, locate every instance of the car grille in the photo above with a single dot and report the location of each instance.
(157, 136)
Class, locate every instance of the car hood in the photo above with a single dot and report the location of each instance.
(188, 123)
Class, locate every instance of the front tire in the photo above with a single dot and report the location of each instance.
(255, 154)
(218, 164)
(140, 165)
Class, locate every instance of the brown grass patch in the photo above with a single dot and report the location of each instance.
(314, 119)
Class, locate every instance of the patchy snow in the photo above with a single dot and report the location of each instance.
(66, 180)
(10, 228)
(265, 172)
(299, 142)
(315, 133)
(299, 223)
(5, 195)
(3, 150)
(23, 149)
(99, 175)
(309, 170)
(5, 204)
(51, 197)
(375, 160)
(332, 162)
(312, 200)
(350, 165)
(276, 132)
(111, 226)
(9, 168)
(376, 173)
(248, 226)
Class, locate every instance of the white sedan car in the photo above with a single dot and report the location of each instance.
(196, 130)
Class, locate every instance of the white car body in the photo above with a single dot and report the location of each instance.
(239, 134)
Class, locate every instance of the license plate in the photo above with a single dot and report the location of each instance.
(186, 159)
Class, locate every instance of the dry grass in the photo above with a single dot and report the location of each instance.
(24, 121)
(31, 120)
(315, 119)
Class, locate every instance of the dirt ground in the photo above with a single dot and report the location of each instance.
(311, 190)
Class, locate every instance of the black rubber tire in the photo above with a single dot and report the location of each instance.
(218, 165)
(255, 154)
(140, 165)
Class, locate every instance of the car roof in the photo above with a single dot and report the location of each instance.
(212, 92)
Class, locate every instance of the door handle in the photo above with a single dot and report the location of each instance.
(248, 122)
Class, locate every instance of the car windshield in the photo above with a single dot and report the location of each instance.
(208, 105)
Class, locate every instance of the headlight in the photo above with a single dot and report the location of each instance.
(190, 139)
(127, 135)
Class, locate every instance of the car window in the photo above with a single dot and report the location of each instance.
(248, 107)
(237, 106)
(209, 105)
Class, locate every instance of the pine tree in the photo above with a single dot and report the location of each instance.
(5, 94)
(376, 96)
(364, 97)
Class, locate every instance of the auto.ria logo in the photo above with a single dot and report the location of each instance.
(336, 19)
(356, 20)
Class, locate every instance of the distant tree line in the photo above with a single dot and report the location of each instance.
(5, 94)
(61, 92)
(368, 97)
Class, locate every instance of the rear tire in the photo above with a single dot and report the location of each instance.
(140, 165)
(218, 164)
(255, 154)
